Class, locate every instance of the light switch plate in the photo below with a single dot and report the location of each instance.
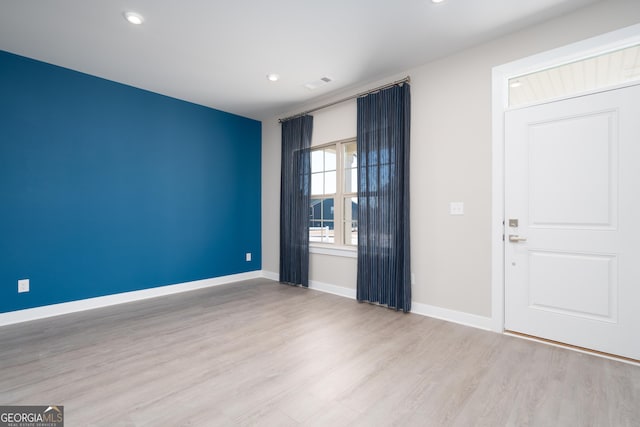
(456, 208)
(247, 256)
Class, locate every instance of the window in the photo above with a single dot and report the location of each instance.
(333, 211)
(609, 69)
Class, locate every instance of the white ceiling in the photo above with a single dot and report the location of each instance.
(217, 52)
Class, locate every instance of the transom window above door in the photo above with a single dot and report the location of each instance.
(597, 72)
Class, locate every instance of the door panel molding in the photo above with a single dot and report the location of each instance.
(603, 303)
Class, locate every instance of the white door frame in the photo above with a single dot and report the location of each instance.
(500, 79)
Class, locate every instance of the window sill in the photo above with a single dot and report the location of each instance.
(341, 251)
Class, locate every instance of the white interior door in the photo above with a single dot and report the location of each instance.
(572, 182)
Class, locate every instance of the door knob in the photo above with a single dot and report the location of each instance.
(515, 238)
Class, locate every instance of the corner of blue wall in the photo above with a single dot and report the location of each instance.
(106, 188)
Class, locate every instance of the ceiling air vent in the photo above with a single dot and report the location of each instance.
(317, 83)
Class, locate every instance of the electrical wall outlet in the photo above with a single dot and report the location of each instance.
(23, 285)
(247, 257)
(456, 208)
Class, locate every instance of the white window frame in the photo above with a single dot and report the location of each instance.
(339, 247)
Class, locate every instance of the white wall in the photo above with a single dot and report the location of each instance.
(450, 161)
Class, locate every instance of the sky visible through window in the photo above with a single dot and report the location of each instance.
(323, 169)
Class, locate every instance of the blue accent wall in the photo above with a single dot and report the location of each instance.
(105, 188)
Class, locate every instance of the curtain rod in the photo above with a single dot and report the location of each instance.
(340, 101)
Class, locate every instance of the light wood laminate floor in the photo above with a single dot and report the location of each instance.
(261, 353)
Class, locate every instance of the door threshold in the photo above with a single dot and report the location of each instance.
(579, 349)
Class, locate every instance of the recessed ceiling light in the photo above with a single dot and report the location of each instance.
(272, 77)
(515, 84)
(437, 1)
(133, 18)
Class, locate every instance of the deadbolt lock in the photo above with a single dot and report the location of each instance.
(513, 222)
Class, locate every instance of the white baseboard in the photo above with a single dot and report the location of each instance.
(121, 298)
(333, 289)
(29, 314)
(449, 315)
(460, 317)
(271, 275)
(318, 286)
